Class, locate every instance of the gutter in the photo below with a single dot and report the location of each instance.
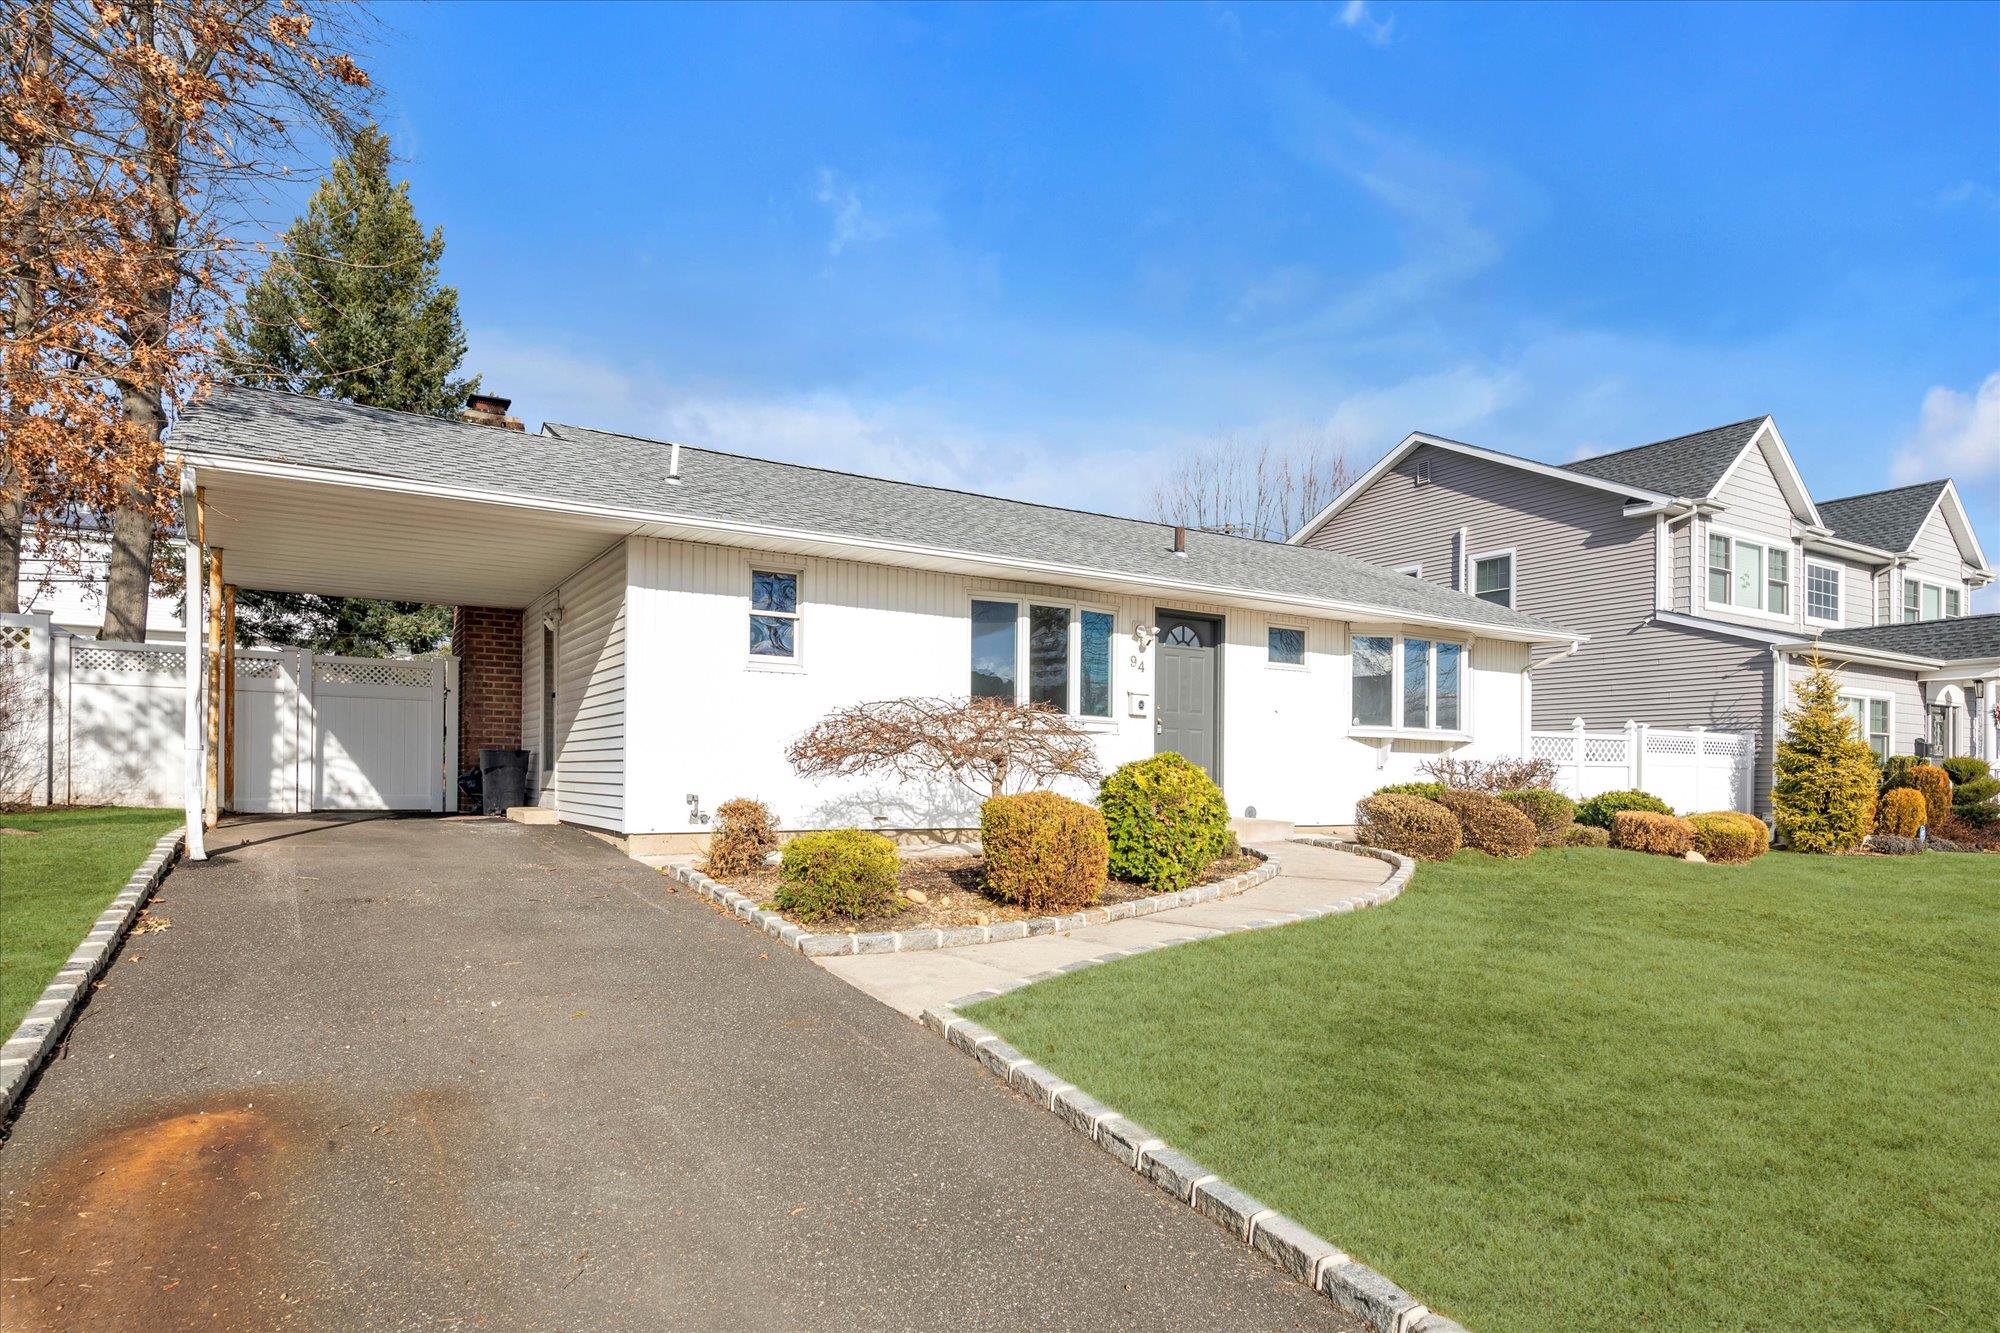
(1141, 583)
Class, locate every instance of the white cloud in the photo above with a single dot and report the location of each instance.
(1971, 194)
(852, 223)
(1957, 435)
(1355, 15)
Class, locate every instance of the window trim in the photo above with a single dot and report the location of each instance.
(1396, 634)
(1888, 700)
(1513, 574)
(1305, 646)
(1839, 592)
(1021, 602)
(1741, 537)
(1920, 583)
(760, 662)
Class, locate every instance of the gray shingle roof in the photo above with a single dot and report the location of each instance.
(1887, 520)
(577, 465)
(1960, 639)
(1689, 466)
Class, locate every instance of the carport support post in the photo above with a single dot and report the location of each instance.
(228, 696)
(191, 770)
(212, 781)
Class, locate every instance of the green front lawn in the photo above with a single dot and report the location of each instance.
(55, 882)
(1594, 1089)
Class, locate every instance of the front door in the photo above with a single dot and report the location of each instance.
(1186, 713)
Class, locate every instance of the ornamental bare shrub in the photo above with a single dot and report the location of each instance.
(1489, 824)
(1552, 812)
(1645, 831)
(1507, 773)
(986, 746)
(1044, 853)
(1409, 825)
(837, 872)
(745, 833)
(1730, 835)
(1900, 813)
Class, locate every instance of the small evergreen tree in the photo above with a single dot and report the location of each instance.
(350, 307)
(1824, 792)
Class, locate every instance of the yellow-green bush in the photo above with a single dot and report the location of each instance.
(1408, 825)
(1165, 820)
(1730, 835)
(1824, 788)
(1901, 813)
(1645, 831)
(1044, 852)
(1935, 786)
(1553, 813)
(1585, 835)
(837, 872)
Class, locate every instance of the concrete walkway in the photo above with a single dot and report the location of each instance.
(1314, 881)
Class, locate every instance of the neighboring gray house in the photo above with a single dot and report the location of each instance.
(1704, 574)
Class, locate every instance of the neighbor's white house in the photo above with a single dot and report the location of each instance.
(656, 623)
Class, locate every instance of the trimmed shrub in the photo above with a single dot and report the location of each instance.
(1964, 768)
(1935, 784)
(837, 872)
(1598, 810)
(1165, 820)
(1409, 825)
(745, 833)
(1044, 853)
(1648, 831)
(1896, 771)
(1891, 844)
(1730, 835)
(1552, 812)
(1489, 824)
(1430, 791)
(1585, 835)
(1900, 813)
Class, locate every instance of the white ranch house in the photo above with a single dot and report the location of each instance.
(656, 623)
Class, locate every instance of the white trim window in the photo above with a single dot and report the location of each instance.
(1873, 719)
(774, 616)
(1493, 577)
(1285, 646)
(1924, 600)
(1057, 654)
(1749, 576)
(1823, 592)
(1407, 683)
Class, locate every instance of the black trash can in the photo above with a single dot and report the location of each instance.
(503, 780)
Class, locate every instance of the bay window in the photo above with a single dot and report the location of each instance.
(1749, 575)
(1407, 682)
(1047, 653)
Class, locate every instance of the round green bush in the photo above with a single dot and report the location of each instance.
(837, 872)
(1586, 835)
(1965, 768)
(1430, 791)
(1043, 852)
(1552, 812)
(1598, 810)
(1730, 836)
(1165, 820)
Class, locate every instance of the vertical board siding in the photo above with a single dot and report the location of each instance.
(714, 725)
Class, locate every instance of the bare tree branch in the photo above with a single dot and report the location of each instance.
(985, 746)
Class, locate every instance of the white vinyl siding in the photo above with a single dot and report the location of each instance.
(590, 721)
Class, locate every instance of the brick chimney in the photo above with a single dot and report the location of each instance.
(485, 409)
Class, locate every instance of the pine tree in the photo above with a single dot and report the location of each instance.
(351, 308)
(1824, 792)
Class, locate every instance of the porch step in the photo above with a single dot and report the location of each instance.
(1261, 830)
(532, 814)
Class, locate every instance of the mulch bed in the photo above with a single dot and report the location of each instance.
(953, 894)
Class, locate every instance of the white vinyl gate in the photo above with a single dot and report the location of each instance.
(311, 732)
(1690, 770)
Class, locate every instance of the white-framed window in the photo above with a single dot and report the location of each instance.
(1414, 569)
(774, 615)
(1035, 651)
(1407, 682)
(1823, 595)
(1285, 646)
(1493, 577)
(1749, 575)
(1873, 719)
(1924, 600)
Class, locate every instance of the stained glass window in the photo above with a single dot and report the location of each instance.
(774, 614)
(1094, 680)
(1287, 646)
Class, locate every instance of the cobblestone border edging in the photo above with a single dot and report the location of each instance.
(828, 945)
(49, 1017)
(1321, 1265)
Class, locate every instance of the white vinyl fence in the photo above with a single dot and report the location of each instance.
(1689, 770)
(93, 722)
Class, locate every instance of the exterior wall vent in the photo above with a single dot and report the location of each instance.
(1423, 472)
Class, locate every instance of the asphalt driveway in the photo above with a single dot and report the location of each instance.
(462, 1073)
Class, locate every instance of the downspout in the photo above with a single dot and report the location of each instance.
(1778, 657)
(196, 760)
(1528, 695)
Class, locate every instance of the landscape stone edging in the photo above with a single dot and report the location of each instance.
(1292, 1247)
(829, 945)
(48, 1019)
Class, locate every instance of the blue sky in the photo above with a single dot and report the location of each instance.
(1038, 251)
